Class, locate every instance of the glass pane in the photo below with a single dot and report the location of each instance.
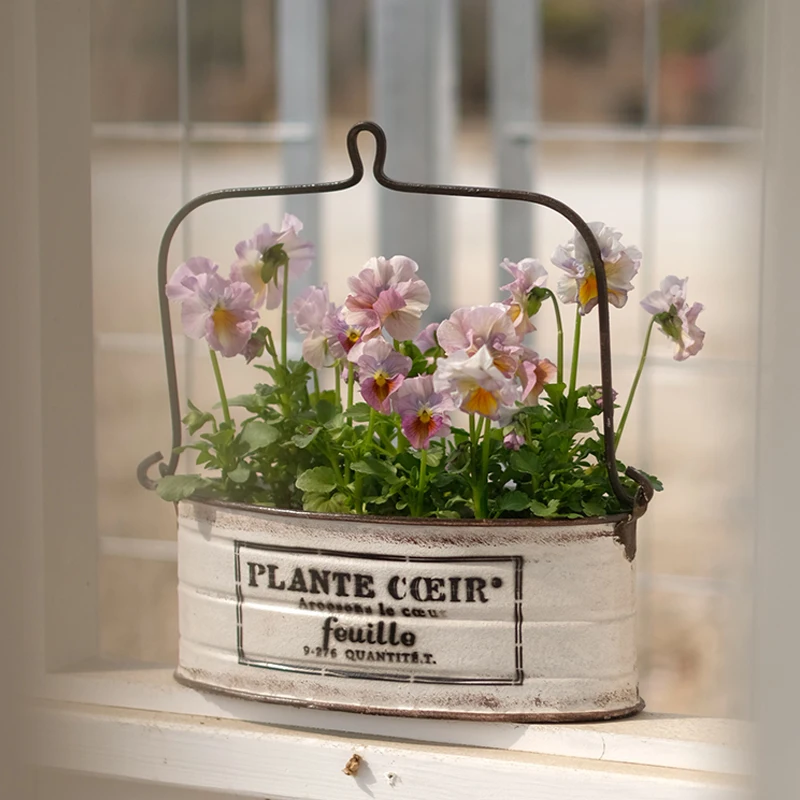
(134, 61)
(592, 67)
(704, 64)
(232, 60)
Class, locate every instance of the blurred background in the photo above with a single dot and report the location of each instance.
(644, 114)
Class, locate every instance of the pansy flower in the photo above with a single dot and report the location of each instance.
(528, 274)
(423, 411)
(513, 440)
(183, 283)
(219, 310)
(534, 373)
(676, 318)
(426, 339)
(310, 310)
(580, 283)
(262, 261)
(470, 329)
(343, 338)
(387, 295)
(381, 372)
(475, 383)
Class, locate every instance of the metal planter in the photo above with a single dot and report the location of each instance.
(514, 620)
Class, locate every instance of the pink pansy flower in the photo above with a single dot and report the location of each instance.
(475, 383)
(580, 284)
(310, 310)
(423, 411)
(342, 337)
(426, 339)
(221, 311)
(534, 373)
(183, 283)
(381, 372)
(470, 329)
(513, 441)
(387, 294)
(676, 318)
(527, 274)
(273, 247)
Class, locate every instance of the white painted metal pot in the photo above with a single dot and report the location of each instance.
(504, 620)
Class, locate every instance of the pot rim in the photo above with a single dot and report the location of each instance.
(372, 519)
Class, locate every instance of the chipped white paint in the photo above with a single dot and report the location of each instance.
(476, 620)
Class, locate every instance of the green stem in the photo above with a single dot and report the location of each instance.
(487, 439)
(634, 385)
(271, 348)
(337, 384)
(366, 447)
(560, 326)
(576, 348)
(316, 385)
(423, 469)
(284, 315)
(474, 434)
(223, 398)
(351, 382)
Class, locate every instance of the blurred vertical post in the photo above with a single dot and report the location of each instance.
(302, 55)
(515, 53)
(48, 565)
(414, 99)
(776, 697)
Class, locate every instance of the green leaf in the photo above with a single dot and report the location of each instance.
(321, 503)
(254, 403)
(435, 457)
(325, 410)
(196, 418)
(373, 466)
(303, 440)
(513, 501)
(525, 460)
(555, 391)
(321, 480)
(593, 508)
(541, 510)
(359, 412)
(336, 421)
(241, 473)
(179, 487)
(259, 434)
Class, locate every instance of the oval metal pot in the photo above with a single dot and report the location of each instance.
(518, 620)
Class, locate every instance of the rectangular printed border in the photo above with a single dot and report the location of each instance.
(516, 680)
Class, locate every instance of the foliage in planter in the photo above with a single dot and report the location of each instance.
(384, 439)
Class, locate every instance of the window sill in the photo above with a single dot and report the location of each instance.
(141, 724)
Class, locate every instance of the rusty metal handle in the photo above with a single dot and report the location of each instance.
(644, 493)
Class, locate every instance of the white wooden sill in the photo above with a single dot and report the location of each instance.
(140, 724)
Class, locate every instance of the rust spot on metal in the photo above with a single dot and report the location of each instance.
(625, 534)
(351, 767)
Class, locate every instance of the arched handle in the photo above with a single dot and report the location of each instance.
(644, 493)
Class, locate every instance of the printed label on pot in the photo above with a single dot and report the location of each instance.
(380, 617)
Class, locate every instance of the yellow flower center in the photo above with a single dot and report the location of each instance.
(222, 318)
(353, 335)
(381, 377)
(514, 310)
(588, 290)
(425, 416)
(481, 401)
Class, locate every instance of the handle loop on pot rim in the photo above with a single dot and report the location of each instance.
(644, 493)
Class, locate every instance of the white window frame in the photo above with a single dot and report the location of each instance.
(139, 724)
